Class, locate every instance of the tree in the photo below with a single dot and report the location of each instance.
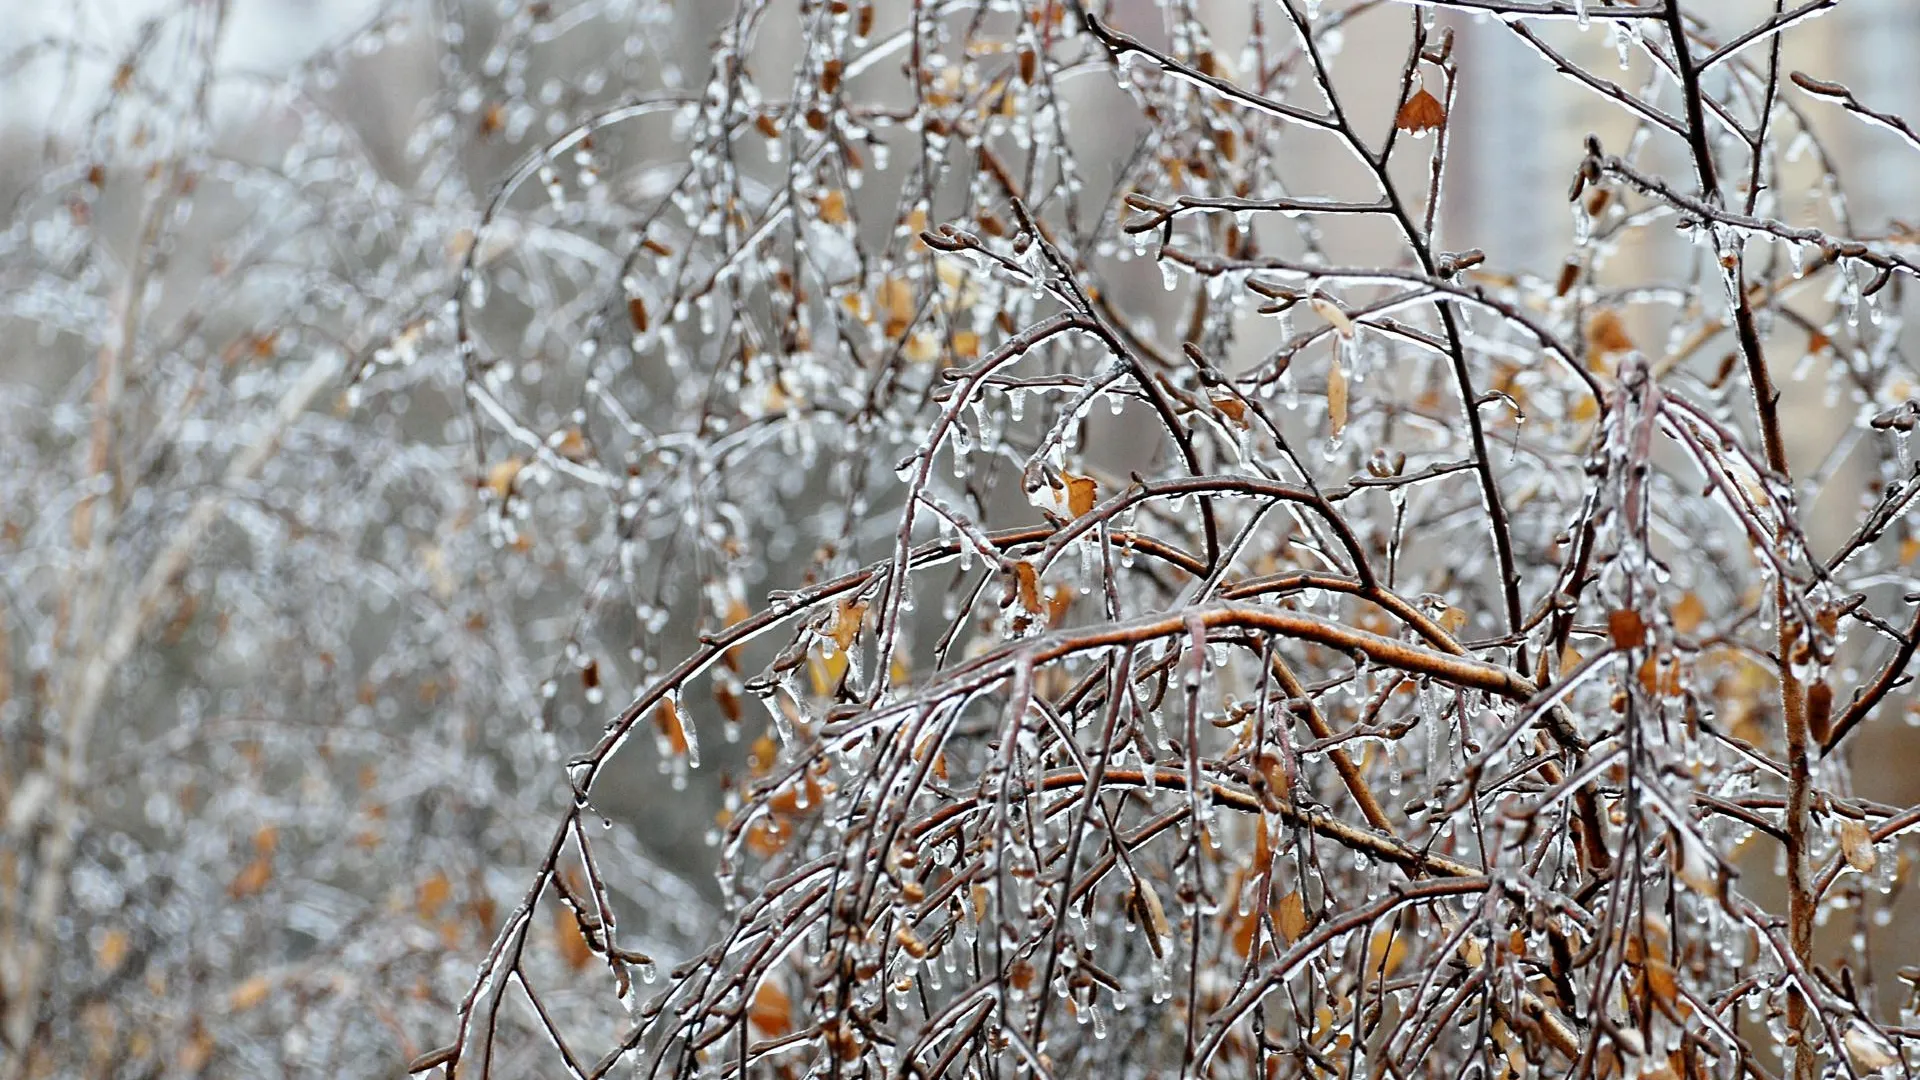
(1366, 654)
(268, 682)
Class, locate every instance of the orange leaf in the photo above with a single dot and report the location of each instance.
(771, 1011)
(249, 994)
(1290, 915)
(1422, 112)
(1027, 581)
(1386, 952)
(572, 445)
(762, 756)
(846, 624)
(833, 207)
(1243, 931)
(1082, 493)
(501, 475)
(1337, 398)
(1627, 629)
(433, 895)
(895, 300)
(766, 836)
(1688, 613)
(1230, 406)
(110, 952)
(195, 1052)
(251, 879)
(573, 943)
(1607, 333)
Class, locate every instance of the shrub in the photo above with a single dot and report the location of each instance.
(1144, 604)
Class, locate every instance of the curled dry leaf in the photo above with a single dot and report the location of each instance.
(1336, 398)
(1153, 914)
(1856, 844)
(1230, 406)
(666, 720)
(1867, 1050)
(1820, 712)
(1027, 582)
(1335, 315)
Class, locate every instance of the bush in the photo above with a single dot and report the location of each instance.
(1139, 601)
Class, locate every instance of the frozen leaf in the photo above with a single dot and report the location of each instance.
(1245, 927)
(1663, 985)
(1336, 399)
(1626, 629)
(195, 1052)
(1856, 844)
(1230, 406)
(1082, 492)
(847, 617)
(1819, 706)
(771, 1012)
(1290, 916)
(1072, 497)
(1336, 316)
(1027, 579)
(1420, 113)
(1386, 952)
(833, 207)
(1867, 1050)
(1153, 915)
(666, 719)
(571, 939)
